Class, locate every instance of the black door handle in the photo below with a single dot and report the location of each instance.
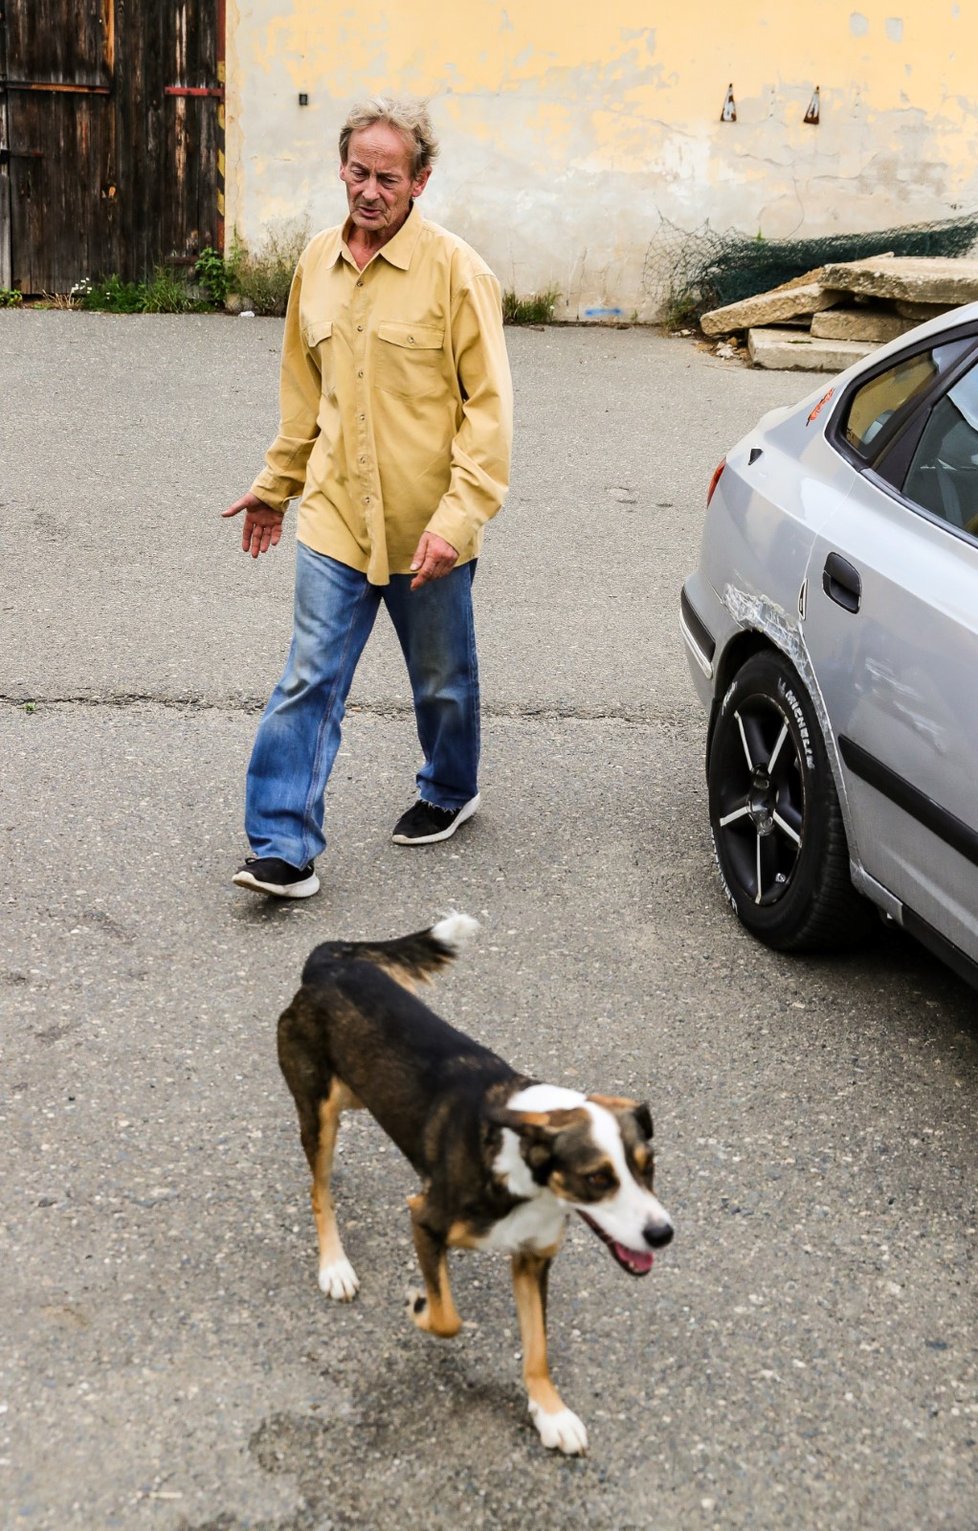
(841, 582)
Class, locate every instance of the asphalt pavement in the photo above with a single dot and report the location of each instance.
(805, 1353)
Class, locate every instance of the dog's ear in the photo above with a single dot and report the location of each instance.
(623, 1107)
(534, 1124)
(537, 1133)
(643, 1117)
(537, 1130)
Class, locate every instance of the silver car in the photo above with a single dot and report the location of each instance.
(832, 634)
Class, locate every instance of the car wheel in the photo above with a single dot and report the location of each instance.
(777, 826)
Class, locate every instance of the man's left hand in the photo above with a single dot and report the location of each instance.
(433, 560)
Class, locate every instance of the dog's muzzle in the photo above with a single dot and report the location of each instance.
(637, 1262)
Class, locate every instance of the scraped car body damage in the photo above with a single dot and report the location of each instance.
(754, 613)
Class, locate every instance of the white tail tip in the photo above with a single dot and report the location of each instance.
(455, 929)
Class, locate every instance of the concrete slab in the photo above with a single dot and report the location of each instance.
(919, 312)
(769, 308)
(792, 351)
(866, 324)
(919, 279)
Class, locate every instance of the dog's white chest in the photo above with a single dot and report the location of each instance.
(536, 1224)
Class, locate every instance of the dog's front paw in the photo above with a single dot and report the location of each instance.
(418, 1309)
(562, 1431)
(339, 1280)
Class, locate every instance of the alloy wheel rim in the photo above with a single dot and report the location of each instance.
(760, 810)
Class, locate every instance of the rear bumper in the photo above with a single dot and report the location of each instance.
(706, 627)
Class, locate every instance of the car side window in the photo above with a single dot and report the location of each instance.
(943, 474)
(876, 402)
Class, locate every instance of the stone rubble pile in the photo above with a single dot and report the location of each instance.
(829, 318)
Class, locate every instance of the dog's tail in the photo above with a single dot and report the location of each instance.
(409, 960)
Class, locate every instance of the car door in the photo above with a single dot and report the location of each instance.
(891, 625)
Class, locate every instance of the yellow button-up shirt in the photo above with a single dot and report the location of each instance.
(395, 397)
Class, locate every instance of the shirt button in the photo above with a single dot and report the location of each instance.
(366, 499)
(360, 327)
(361, 418)
(359, 374)
(360, 282)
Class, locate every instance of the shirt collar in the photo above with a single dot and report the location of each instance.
(397, 251)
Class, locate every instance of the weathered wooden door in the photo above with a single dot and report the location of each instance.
(56, 139)
(111, 137)
(171, 120)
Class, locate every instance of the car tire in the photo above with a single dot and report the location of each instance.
(778, 835)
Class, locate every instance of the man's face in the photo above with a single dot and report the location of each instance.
(379, 179)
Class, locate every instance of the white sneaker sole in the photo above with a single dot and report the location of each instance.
(304, 889)
(465, 812)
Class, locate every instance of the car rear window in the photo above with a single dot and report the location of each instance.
(875, 404)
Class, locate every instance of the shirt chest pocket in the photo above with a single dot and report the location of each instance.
(317, 335)
(408, 358)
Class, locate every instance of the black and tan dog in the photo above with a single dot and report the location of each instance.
(503, 1159)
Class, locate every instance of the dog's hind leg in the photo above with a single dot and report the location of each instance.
(434, 1309)
(559, 1428)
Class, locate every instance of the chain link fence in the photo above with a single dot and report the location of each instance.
(690, 273)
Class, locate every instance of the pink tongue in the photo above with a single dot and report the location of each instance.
(638, 1262)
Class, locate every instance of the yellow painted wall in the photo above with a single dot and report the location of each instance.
(581, 139)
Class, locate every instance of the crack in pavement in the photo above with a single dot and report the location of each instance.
(551, 712)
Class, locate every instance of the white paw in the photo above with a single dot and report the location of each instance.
(560, 1432)
(339, 1280)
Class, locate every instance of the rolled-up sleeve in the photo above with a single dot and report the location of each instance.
(482, 445)
(300, 388)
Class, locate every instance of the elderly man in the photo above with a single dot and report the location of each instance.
(395, 434)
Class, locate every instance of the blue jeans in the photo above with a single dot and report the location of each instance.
(299, 732)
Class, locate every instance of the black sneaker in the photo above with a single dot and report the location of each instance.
(266, 874)
(424, 823)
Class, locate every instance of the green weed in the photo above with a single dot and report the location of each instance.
(66, 301)
(167, 291)
(114, 296)
(681, 309)
(538, 308)
(211, 271)
(10, 298)
(262, 277)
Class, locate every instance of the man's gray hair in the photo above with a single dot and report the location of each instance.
(409, 118)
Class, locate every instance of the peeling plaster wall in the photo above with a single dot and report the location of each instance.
(580, 140)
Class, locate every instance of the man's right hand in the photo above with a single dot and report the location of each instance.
(262, 525)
